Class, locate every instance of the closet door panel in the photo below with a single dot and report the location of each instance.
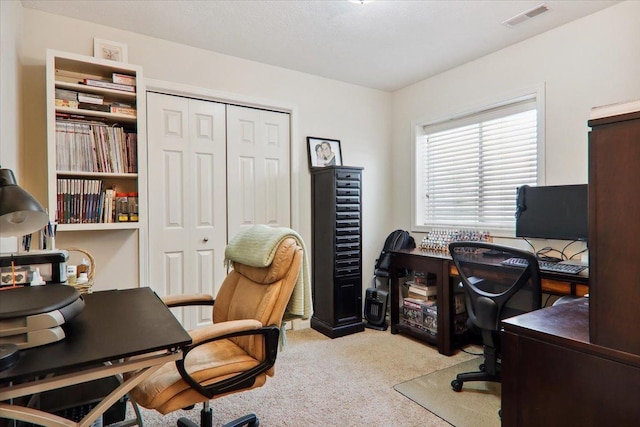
(258, 168)
(188, 141)
(168, 224)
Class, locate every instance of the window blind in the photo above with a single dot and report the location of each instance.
(471, 166)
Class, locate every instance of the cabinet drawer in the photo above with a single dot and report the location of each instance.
(347, 215)
(347, 263)
(355, 238)
(347, 199)
(347, 231)
(348, 255)
(341, 247)
(348, 223)
(347, 271)
(347, 184)
(341, 174)
(348, 192)
(348, 208)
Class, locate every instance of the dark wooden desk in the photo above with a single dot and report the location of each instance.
(113, 326)
(553, 376)
(441, 265)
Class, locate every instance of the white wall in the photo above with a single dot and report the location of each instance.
(357, 116)
(589, 62)
(10, 16)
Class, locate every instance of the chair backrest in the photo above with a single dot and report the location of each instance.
(260, 293)
(493, 290)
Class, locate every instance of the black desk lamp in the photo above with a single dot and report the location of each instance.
(20, 214)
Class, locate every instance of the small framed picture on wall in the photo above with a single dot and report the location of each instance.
(324, 152)
(107, 49)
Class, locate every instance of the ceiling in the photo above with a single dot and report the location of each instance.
(383, 44)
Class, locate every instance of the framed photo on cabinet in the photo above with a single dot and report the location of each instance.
(324, 152)
(107, 49)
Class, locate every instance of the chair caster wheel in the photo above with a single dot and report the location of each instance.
(456, 385)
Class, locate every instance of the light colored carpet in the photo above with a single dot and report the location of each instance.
(338, 382)
(476, 405)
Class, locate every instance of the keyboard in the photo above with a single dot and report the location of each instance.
(555, 267)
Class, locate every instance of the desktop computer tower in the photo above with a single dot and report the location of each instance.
(375, 308)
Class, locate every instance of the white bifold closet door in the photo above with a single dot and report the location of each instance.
(212, 169)
(258, 175)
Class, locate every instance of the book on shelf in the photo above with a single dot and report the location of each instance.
(105, 108)
(109, 85)
(94, 147)
(128, 111)
(425, 291)
(66, 103)
(76, 77)
(124, 79)
(66, 94)
(90, 98)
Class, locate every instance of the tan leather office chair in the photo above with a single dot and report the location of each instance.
(236, 352)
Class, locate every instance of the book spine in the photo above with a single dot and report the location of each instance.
(90, 98)
(66, 103)
(109, 85)
(124, 79)
(94, 107)
(123, 110)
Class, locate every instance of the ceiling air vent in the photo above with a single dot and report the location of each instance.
(528, 14)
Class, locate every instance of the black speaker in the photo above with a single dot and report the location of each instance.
(375, 308)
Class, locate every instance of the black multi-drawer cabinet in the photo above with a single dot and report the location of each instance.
(336, 198)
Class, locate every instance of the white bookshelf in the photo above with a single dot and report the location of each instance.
(67, 71)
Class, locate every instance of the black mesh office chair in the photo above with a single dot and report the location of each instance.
(494, 290)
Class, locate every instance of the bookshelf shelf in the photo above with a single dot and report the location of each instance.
(99, 226)
(97, 90)
(93, 153)
(71, 174)
(97, 114)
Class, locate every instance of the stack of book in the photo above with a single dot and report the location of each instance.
(66, 98)
(120, 82)
(94, 147)
(95, 102)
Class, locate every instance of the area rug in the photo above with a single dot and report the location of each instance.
(476, 405)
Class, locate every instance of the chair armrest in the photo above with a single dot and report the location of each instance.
(221, 331)
(188, 299)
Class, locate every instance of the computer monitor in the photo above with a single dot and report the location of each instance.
(552, 212)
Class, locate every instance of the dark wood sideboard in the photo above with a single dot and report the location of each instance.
(552, 375)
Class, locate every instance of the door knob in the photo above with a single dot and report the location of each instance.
(206, 239)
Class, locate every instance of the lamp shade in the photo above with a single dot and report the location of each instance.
(20, 212)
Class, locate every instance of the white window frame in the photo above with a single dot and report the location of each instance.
(536, 93)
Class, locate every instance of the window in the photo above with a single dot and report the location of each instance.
(469, 167)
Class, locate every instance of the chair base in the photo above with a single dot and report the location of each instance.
(481, 375)
(206, 420)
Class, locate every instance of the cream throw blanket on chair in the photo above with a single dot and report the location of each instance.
(256, 247)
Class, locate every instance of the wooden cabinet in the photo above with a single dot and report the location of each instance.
(337, 250)
(552, 375)
(95, 141)
(614, 206)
